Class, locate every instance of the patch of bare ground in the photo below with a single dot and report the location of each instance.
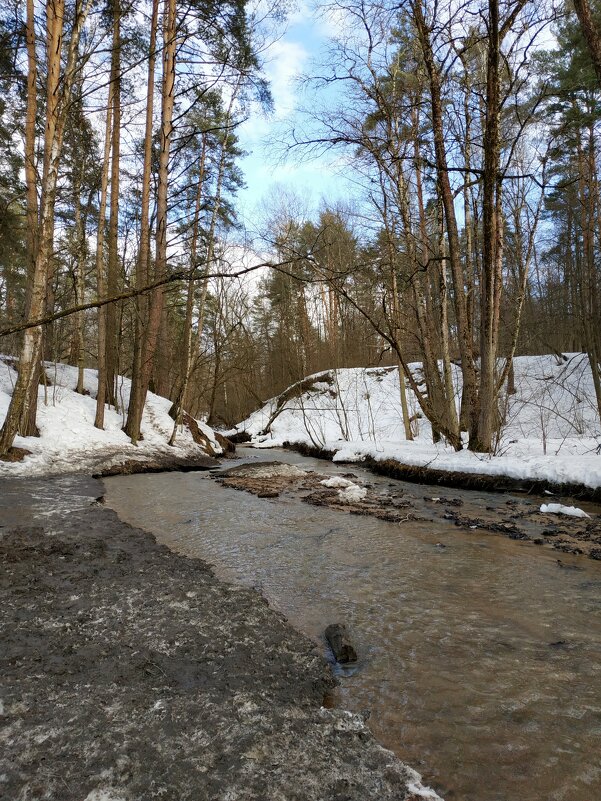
(15, 455)
(160, 464)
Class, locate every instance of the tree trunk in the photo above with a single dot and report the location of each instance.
(188, 348)
(57, 101)
(141, 381)
(79, 267)
(464, 324)
(101, 283)
(492, 240)
(113, 229)
(135, 411)
(592, 34)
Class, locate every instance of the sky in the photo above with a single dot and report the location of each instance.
(266, 171)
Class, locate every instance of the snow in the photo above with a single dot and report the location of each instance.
(560, 509)
(68, 441)
(419, 790)
(352, 494)
(552, 431)
(347, 490)
(336, 482)
(103, 794)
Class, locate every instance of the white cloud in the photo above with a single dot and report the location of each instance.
(286, 63)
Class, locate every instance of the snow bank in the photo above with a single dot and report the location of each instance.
(68, 441)
(552, 431)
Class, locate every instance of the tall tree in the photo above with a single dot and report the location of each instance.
(59, 85)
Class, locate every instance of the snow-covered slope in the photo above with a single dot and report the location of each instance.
(552, 430)
(68, 441)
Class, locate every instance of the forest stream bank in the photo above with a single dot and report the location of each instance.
(494, 505)
(132, 672)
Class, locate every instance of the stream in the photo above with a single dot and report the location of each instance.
(479, 657)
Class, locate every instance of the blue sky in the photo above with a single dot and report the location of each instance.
(296, 53)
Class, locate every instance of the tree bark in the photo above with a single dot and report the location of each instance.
(492, 243)
(57, 101)
(464, 323)
(149, 343)
(592, 34)
(188, 348)
(135, 411)
(101, 282)
(111, 345)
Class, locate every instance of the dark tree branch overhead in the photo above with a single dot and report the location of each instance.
(179, 275)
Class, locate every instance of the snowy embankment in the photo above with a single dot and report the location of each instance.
(551, 431)
(68, 441)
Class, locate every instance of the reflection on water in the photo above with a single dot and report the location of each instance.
(480, 662)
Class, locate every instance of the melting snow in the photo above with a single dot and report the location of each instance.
(68, 441)
(352, 494)
(337, 481)
(552, 431)
(560, 509)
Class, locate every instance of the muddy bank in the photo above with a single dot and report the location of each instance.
(130, 672)
(455, 479)
(160, 464)
(513, 516)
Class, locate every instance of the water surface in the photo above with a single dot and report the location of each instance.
(480, 661)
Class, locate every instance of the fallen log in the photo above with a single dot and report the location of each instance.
(339, 641)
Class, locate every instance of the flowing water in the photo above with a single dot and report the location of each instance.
(480, 661)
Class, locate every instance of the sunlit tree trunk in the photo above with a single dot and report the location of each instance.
(101, 283)
(137, 395)
(58, 93)
(112, 310)
(149, 343)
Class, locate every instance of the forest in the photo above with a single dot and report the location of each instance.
(471, 132)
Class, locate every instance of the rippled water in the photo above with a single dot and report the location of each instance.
(480, 662)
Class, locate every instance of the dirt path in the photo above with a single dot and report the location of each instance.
(130, 672)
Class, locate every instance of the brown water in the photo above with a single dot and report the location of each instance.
(480, 662)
